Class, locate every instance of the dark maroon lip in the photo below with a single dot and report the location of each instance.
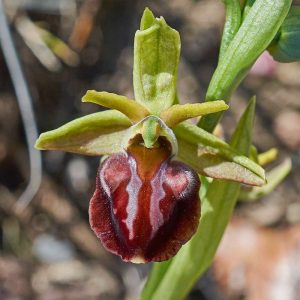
(146, 205)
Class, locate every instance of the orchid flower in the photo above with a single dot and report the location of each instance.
(146, 204)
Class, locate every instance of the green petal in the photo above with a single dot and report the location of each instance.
(96, 134)
(156, 58)
(178, 113)
(212, 157)
(133, 110)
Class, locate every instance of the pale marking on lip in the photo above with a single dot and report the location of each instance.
(103, 184)
(133, 188)
(158, 193)
(137, 260)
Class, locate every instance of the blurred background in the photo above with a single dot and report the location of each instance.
(47, 250)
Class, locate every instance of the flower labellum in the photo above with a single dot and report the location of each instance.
(146, 205)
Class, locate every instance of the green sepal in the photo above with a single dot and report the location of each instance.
(96, 134)
(286, 45)
(210, 156)
(156, 59)
(178, 277)
(254, 35)
(133, 110)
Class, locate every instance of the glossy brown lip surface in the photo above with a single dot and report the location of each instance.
(145, 206)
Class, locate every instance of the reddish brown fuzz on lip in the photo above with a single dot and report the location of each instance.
(146, 206)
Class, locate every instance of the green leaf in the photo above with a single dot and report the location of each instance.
(254, 35)
(178, 113)
(286, 45)
(156, 58)
(232, 24)
(274, 178)
(96, 134)
(196, 256)
(212, 157)
(130, 108)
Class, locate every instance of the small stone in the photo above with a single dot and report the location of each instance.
(293, 213)
(287, 128)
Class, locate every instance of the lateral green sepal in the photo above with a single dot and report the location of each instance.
(210, 156)
(96, 134)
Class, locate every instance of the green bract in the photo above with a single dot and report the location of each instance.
(156, 58)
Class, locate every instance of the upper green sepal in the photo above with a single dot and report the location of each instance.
(156, 59)
(96, 134)
(286, 45)
(147, 19)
